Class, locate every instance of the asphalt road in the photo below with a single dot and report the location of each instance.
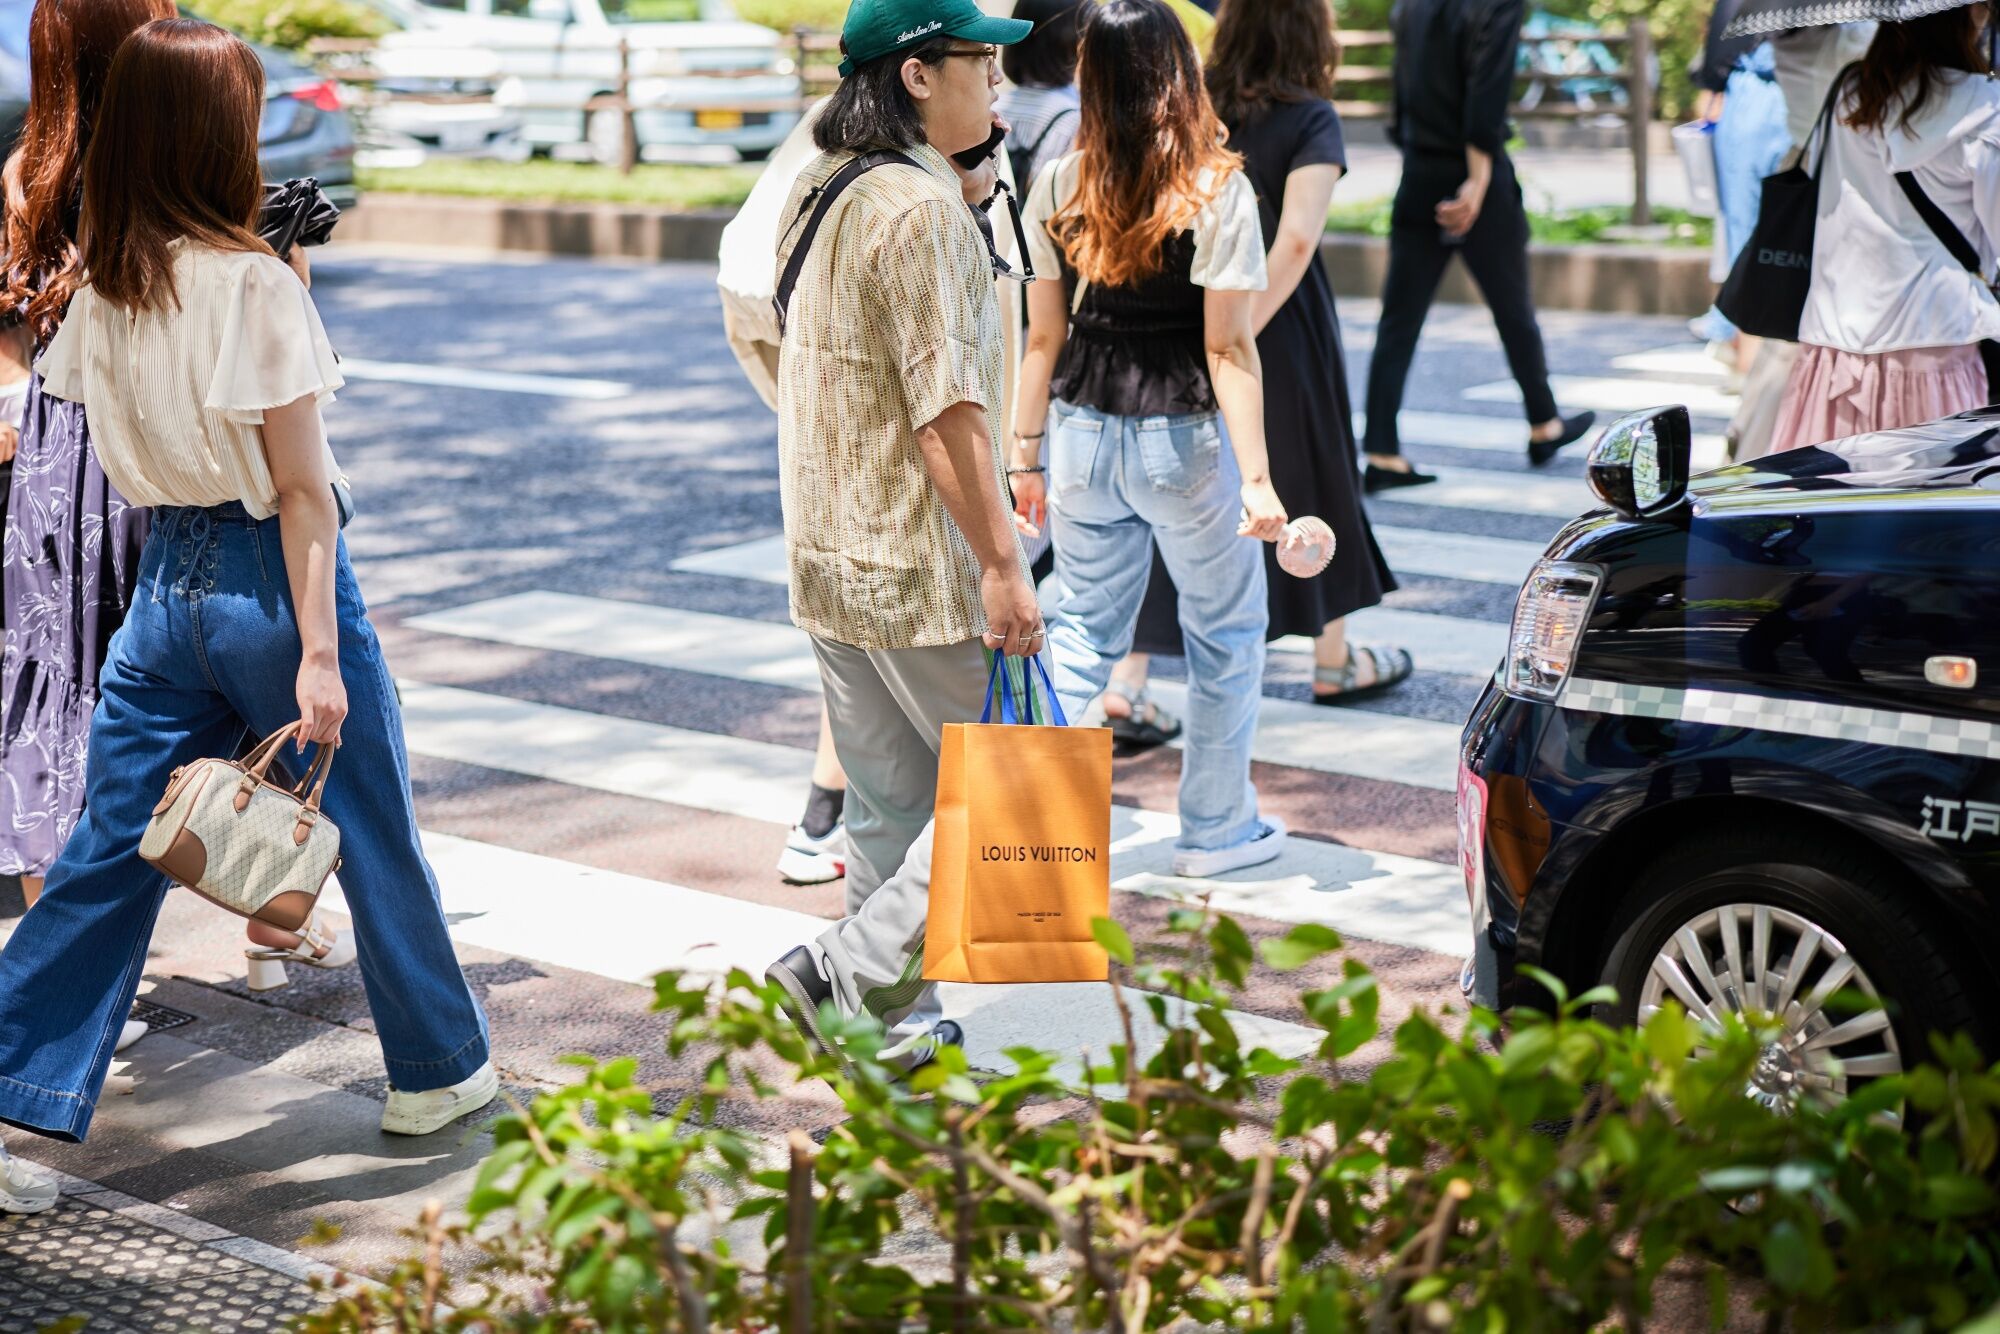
(568, 499)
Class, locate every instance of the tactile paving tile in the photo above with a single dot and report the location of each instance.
(249, 1301)
(105, 1253)
(69, 1211)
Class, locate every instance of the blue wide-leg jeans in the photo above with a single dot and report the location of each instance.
(209, 650)
(1117, 485)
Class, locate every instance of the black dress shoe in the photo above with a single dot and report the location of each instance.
(1575, 428)
(798, 976)
(1375, 479)
(945, 1033)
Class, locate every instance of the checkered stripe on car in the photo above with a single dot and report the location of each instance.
(1796, 717)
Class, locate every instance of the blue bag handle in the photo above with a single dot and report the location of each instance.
(996, 682)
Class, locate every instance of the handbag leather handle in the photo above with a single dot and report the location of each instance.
(258, 763)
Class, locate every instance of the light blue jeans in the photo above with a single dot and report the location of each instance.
(209, 650)
(1117, 485)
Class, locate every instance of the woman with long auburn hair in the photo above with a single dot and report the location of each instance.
(1894, 318)
(70, 555)
(203, 364)
(1140, 352)
(1270, 72)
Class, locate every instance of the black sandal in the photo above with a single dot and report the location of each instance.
(1147, 726)
(1398, 669)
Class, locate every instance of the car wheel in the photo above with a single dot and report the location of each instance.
(1779, 925)
(754, 154)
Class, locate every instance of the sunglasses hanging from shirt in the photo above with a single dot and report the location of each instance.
(974, 158)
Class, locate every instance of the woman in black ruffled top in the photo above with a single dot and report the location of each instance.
(1140, 351)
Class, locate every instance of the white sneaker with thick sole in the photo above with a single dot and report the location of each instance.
(434, 1109)
(24, 1190)
(1262, 847)
(814, 861)
(131, 1033)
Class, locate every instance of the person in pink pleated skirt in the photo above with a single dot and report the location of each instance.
(1892, 325)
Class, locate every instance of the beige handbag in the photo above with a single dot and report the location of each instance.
(243, 842)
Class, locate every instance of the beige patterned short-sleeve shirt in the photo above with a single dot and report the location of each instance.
(894, 321)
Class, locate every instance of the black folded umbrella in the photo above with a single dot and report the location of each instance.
(1768, 16)
(296, 213)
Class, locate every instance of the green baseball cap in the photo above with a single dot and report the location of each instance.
(880, 27)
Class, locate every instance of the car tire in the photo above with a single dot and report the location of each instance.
(1689, 901)
(754, 154)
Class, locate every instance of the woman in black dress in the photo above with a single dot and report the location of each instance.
(1269, 74)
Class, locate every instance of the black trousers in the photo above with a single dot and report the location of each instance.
(1496, 251)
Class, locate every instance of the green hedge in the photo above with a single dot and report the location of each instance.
(290, 24)
(1548, 1185)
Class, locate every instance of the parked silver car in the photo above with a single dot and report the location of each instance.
(305, 130)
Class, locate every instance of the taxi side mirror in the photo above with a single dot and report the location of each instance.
(1639, 466)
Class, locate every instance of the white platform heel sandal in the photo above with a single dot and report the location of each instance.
(318, 947)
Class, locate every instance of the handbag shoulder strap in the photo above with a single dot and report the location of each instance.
(1940, 223)
(1823, 123)
(818, 202)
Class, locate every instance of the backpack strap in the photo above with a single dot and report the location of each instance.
(818, 202)
(1035, 149)
(1940, 223)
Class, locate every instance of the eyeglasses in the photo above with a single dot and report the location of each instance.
(989, 54)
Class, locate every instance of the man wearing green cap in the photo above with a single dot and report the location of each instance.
(905, 568)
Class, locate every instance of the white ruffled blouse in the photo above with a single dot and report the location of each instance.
(177, 395)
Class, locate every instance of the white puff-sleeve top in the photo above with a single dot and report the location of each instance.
(176, 396)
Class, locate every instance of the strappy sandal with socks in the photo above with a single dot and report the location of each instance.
(1147, 726)
(1392, 667)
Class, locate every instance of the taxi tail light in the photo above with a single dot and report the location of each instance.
(1548, 626)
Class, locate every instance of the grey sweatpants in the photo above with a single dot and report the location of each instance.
(888, 709)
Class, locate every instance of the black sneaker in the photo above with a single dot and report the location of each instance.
(1375, 479)
(1575, 427)
(806, 989)
(946, 1033)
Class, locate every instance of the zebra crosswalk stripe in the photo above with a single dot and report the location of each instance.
(1312, 881)
(1361, 745)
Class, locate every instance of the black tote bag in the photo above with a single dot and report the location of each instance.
(1765, 293)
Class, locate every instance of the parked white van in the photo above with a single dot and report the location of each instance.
(700, 77)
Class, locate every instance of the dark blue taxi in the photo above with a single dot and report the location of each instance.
(1744, 749)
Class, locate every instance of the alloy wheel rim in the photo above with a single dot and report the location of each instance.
(1760, 962)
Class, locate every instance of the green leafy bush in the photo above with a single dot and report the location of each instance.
(1371, 217)
(1544, 1186)
(291, 24)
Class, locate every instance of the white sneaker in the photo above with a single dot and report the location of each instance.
(434, 1109)
(814, 861)
(24, 1190)
(131, 1033)
(1263, 846)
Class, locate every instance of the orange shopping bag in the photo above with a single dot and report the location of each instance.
(1021, 855)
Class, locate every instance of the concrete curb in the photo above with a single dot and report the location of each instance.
(1613, 279)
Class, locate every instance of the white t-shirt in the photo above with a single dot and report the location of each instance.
(1881, 280)
(177, 394)
(1228, 234)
